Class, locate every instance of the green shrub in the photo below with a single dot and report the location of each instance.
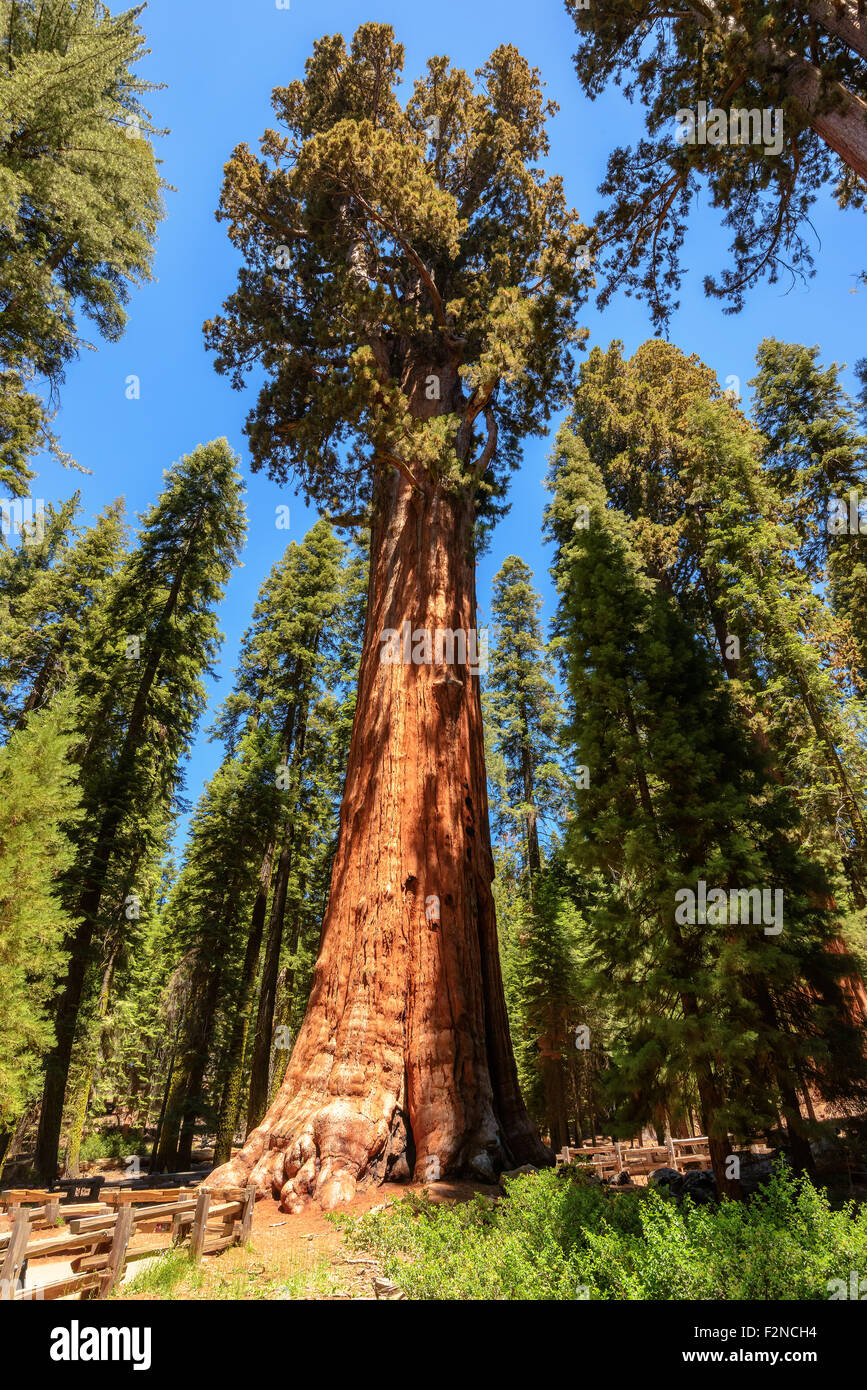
(555, 1239)
(109, 1143)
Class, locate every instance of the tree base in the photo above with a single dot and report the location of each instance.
(339, 1148)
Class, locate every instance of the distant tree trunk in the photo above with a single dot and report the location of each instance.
(155, 1163)
(81, 1095)
(261, 1064)
(241, 1026)
(555, 1102)
(11, 1139)
(196, 1062)
(282, 1048)
(404, 1057)
(534, 857)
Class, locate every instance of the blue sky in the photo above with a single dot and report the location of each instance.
(220, 61)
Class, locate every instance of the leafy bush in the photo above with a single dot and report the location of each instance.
(555, 1239)
(110, 1143)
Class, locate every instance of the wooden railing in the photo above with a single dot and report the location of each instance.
(98, 1234)
(613, 1157)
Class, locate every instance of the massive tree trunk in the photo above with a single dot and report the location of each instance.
(403, 1064)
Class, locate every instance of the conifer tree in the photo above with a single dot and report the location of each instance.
(276, 672)
(817, 459)
(80, 200)
(683, 462)
(322, 653)
(679, 795)
(205, 916)
(524, 717)
(48, 609)
(410, 287)
(140, 695)
(38, 807)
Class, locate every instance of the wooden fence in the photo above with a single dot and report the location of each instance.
(98, 1234)
(612, 1158)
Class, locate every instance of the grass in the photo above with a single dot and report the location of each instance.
(238, 1274)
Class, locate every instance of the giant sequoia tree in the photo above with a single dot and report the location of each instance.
(804, 58)
(409, 287)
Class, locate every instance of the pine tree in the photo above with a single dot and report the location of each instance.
(682, 461)
(320, 655)
(524, 717)
(680, 794)
(80, 200)
(47, 611)
(205, 918)
(817, 458)
(38, 807)
(140, 695)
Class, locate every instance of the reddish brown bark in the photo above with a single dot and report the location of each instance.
(846, 19)
(403, 1064)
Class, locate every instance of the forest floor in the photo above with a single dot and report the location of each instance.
(300, 1257)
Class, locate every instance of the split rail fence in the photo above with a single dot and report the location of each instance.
(611, 1158)
(98, 1234)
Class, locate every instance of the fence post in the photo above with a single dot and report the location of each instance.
(247, 1215)
(117, 1253)
(15, 1254)
(672, 1152)
(197, 1239)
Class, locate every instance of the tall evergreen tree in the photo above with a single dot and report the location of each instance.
(140, 696)
(80, 199)
(410, 275)
(817, 458)
(679, 795)
(48, 609)
(686, 466)
(524, 717)
(276, 675)
(38, 807)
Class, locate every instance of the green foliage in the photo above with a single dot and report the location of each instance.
(379, 257)
(680, 788)
(523, 716)
(816, 456)
(80, 198)
(552, 1238)
(746, 54)
(38, 805)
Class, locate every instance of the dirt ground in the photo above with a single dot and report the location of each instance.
(300, 1257)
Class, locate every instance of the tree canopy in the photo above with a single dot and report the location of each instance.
(409, 272)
